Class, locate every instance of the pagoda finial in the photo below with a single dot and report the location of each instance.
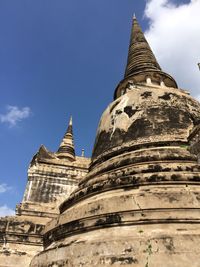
(140, 55)
(70, 121)
(66, 149)
(142, 66)
(134, 16)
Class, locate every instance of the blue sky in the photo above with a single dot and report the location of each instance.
(57, 58)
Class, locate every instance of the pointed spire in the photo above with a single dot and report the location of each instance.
(70, 121)
(66, 149)
(140, 56)
(142, 66)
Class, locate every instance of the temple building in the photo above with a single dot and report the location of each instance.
(51, 179)
(136, 202)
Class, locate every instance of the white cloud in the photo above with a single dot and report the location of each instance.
(6, 211)
(174, 35)
(4, 188)
(14, 115)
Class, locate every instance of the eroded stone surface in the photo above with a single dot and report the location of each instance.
(145, 115)
(140, 202)
(139, 205)
(50, 180)
(140, 245)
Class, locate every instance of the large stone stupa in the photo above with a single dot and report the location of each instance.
(139, 205)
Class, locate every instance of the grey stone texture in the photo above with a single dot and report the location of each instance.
(137, 203)
(51, 179)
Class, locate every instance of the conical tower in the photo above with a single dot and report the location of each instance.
(66, 149)
(140, 55)
(139, 205)
(142, 66)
